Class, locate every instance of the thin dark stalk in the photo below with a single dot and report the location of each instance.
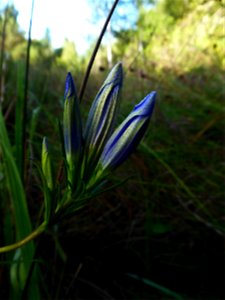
(26, 85)
(98, 43)
(2, 54)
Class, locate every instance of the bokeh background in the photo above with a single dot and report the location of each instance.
(160, 235)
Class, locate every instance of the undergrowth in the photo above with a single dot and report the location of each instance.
(160, 235)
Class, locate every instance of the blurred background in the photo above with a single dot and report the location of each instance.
(161, 234)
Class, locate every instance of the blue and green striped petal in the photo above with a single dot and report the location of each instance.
(101, 118)
(128, 135)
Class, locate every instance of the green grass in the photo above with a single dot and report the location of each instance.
(23, 257)
(164, 225)
(174, 189)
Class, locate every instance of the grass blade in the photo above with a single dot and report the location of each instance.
(21, 214)
(19, 119)
(157, 286)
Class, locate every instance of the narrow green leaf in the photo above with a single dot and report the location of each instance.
(19, 118)
(157, 286)
(21, 214)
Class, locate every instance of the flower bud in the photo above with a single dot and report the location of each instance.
(101, 118)
(47, 164)
(128, 135)
(72, 128)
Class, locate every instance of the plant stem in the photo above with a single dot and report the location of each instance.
(98, 43)
(2, 71)
(24, 241)
(26, 84)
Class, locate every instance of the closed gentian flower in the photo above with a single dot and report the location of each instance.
(72, 129)
(101, 119)
(47, 164)
(127, 136)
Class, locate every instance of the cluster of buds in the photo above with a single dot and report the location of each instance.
(92, 152)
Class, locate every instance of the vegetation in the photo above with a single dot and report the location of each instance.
(157, 232)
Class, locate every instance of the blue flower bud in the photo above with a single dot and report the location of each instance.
(128, 135)
(72, 128)
(101, 118)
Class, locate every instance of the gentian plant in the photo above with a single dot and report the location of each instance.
(93, 153)
(90, 152)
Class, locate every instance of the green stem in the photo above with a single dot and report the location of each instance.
(24, 241)
(26, 85)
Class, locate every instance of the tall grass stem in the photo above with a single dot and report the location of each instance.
(98, 43)
(3, 54)
(26, 85)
